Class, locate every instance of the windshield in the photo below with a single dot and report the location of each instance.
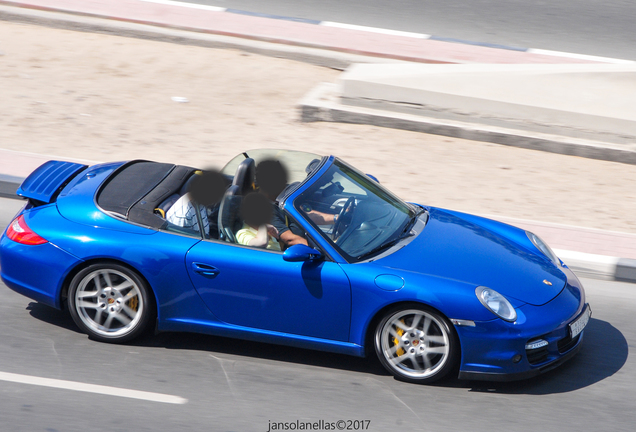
(368, 218)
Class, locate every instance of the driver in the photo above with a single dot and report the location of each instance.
(271, 179)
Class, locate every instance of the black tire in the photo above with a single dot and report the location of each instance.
(111, 303)
(416, 344)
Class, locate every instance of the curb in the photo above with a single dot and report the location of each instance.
(9, 185)
(103, 25)
(393, 32)
(599, 266)
(583, 264)
(204, 8)
(235, 24)
(625, 270)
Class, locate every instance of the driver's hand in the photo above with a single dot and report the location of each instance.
(290, 239)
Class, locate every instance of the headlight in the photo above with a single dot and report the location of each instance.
(496, 303)
(544, 248)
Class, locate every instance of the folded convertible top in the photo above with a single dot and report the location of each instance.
(138, 187)
(131, 182)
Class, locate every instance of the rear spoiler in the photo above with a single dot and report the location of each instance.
(48, 180)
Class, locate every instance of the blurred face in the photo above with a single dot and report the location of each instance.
(256, 209)
(271, 177)
(208, 188)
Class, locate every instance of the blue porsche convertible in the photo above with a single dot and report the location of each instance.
(125, 248)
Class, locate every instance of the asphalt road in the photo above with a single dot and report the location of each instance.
(578, 26)
(231, 385)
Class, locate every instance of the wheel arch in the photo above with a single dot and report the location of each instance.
(84, 264)
(369, 333)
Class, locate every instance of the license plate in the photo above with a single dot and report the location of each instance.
(577, 326)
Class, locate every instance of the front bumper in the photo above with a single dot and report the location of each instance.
(488, 376)
(496, 350)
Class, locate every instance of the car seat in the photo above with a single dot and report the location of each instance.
(229, 221)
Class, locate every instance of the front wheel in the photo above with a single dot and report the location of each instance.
(416, 345)
(110, 303)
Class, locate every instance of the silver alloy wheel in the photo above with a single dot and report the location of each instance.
(414, 344)
(109, 303)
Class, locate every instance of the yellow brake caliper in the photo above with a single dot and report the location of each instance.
(133, 303)
(396, 341)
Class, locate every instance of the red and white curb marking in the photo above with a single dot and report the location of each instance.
(393, 32)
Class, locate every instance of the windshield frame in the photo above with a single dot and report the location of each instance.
(292, 205)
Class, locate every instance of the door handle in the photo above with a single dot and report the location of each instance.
(205, 270)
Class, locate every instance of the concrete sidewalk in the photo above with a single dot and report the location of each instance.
(597, 252)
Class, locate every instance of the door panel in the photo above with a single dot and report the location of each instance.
(256, 288)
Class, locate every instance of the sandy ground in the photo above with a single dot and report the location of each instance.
(107, 98)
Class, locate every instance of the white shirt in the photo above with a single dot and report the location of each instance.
(184, 214)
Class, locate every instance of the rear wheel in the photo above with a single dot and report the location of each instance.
(110, 303)
(416, 344)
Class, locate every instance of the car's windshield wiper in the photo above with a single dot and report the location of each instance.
(380, 248)
(406, 232)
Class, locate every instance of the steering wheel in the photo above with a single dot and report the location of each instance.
(344, 218)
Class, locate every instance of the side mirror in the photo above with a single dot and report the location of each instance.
(300, 252)
(372, 177)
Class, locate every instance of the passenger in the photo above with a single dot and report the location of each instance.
(183, 213)
(256, 211)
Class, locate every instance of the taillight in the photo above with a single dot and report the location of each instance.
(20, 232)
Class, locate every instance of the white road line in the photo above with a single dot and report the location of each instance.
(91, 388)
(375, 30)
(579, 56)
(187, 5)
